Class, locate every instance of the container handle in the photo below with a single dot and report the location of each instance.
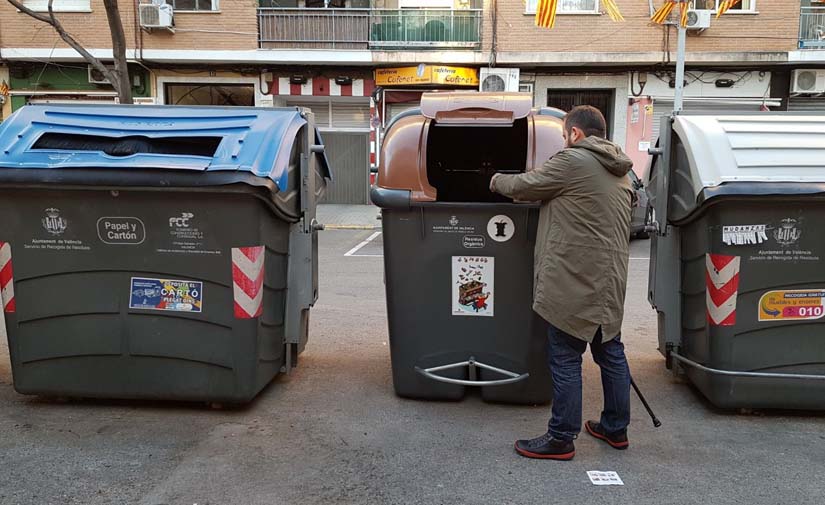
(473, 365)
(737, 373)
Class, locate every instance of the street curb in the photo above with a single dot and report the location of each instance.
(351, 227)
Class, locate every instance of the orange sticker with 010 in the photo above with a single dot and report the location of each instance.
(796, 304)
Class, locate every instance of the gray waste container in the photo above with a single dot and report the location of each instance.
(738, 263)
(459, 259)
(157, 252)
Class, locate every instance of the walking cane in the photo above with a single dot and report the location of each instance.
(656, 422)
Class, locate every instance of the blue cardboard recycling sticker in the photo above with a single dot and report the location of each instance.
(166, 294)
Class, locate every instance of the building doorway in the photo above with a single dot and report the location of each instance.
(210, 94)
(602, 99)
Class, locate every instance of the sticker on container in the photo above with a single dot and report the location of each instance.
(792, 305)
(473, 289)
(722, 288)
(7, 303)
(747, 234)
(166, 294)
(501, 228)
(248, 281)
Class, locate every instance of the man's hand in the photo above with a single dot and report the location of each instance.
(493, 183)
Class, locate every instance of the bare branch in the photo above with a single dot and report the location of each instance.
(71, 41)
(79, 48)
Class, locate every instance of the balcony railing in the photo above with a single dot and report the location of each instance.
(387, 29)
(812, 28)
(425, 28)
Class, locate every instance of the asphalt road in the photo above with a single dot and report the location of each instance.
(334, 432)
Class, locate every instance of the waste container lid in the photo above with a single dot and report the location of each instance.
(767, 147)
(511, 106)
(124, 137)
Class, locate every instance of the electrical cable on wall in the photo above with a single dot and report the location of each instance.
(642, 84)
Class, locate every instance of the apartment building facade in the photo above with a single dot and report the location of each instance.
(356, 63)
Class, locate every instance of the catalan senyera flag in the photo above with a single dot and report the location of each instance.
(546, 13)
(4, 89)
(663, 12)
(724, 5)
(612, 10)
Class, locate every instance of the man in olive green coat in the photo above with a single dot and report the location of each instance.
(581, 260)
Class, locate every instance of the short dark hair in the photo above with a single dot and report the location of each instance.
(588, 119)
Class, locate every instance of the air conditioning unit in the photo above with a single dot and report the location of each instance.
(156, 15)
(499, 79)
(808, 81)
(97, 77)
(698, 19)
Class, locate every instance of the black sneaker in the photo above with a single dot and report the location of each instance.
(616, 440)
(546, 447)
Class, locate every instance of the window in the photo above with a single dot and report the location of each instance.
(59, 5)
(744, 6)
(194, 5)
(569, 6)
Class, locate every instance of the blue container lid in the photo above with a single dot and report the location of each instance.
(125, 137)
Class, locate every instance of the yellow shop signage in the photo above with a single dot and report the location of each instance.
(427, 74)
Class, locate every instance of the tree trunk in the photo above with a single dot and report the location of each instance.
(124, 84)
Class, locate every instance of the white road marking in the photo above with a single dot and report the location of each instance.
(360, 246)
(640, 258)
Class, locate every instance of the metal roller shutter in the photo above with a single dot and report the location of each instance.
(351, 115)
(320, 109)
(394, 109)
(803, 104)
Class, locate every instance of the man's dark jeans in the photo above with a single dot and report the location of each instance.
(564, 356)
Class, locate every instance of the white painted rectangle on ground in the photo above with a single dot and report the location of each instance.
(604, 478)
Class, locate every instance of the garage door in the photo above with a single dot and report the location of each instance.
(337, 114)
(349, 157)
(344, 125)
(806, 104)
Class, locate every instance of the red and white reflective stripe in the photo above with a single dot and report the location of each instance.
(375, 122)
(322, 86)
(6, 278)
(248, 281)
(372, 147)
(722, 280)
